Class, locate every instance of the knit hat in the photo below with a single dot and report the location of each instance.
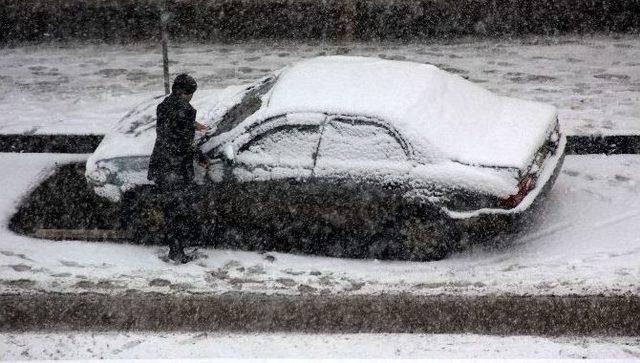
(184, 83)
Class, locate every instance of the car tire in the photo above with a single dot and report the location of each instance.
(142, 216)
(426, 238)
(384, 246)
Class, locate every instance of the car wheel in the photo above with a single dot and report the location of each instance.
(142, 216)
(384, 246)
(425, 239)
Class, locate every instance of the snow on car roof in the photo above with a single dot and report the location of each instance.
(436, 111)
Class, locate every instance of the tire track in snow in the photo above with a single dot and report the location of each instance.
(567, 226)
(550, 231)
(617, 219)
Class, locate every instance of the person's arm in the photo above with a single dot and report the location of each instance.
(199, 156)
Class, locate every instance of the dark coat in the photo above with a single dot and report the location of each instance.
(173, 153)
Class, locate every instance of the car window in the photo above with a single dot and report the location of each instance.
(356, 140)
(282, 146)
(250, 103)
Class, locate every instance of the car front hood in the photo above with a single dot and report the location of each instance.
(131, 141)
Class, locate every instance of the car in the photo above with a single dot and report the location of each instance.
(349, 156)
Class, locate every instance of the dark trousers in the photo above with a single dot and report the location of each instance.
(180, 216)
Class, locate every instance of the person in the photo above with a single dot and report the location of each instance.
(171, 165)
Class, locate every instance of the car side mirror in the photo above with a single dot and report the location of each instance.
(228, 154)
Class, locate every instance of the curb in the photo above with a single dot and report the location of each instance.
(608, 145)
(64, 144)
(245, 312)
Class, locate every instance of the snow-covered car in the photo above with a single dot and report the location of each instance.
(371, 156)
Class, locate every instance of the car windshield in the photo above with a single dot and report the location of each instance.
(251, 102)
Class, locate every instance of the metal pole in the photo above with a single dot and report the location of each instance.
(164, 19)
(345, 22)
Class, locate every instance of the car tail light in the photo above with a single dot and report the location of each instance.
(523, 188)
(528, 181)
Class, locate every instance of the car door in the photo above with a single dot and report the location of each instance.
(363, 167)
(266, 185)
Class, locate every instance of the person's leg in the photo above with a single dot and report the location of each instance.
(170, 204)
(179, 225)
(193, 210)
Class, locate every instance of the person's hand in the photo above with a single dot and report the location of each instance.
(200, 127)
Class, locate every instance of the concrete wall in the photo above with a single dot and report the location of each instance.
(232, 20)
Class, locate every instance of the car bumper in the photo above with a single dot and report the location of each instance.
(547, 176)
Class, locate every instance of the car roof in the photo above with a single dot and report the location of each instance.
(440, 114)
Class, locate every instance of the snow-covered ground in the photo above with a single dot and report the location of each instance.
(85, 88)
(73, 345)
(587, 242)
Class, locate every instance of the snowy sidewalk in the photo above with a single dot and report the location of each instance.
(83, 89)
(586, 243)
(577, 267)
(183, 346)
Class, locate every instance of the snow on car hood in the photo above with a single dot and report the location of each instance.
(134, 135)
(121, 160)
(439, 113)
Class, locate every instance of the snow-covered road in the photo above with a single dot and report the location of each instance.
(139, 345)
(587, 242)
(84, 88)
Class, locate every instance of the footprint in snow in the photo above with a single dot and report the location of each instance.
(13, 254)
(20, 267)
(570, 172)
(70, 263)
(126, 346)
